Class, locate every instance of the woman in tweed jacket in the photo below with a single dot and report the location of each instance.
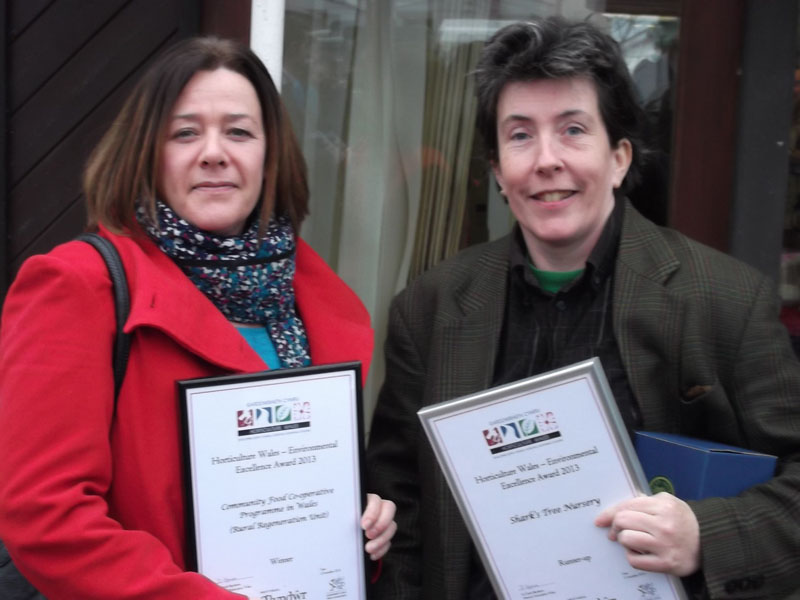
(694, 337)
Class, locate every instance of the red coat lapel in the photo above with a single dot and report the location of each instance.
(337, 323)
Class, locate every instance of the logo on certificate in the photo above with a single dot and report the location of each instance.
(272, 417)
(336, 588)
(647, 591)
(516, 431)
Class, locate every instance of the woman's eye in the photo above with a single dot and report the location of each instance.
(574, 130)
(183, 133)
(519, 135)
(239, 132)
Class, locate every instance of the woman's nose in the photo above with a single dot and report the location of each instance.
(213, 153)
(548, 160)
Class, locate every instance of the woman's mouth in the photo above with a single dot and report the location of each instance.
(213, 185)
(552, 196)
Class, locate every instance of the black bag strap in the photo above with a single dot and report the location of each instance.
(122, 305)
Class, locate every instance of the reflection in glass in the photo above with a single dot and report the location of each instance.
(380, 95)
(650, 47)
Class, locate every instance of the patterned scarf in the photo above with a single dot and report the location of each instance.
(249, 279)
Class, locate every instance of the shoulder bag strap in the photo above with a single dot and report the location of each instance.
(122, 305)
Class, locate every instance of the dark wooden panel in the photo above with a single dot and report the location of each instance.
(47, 44)
(3, 139)
(21, 13)
(93, 73)
(69, 222)
(70, 65)
(230, 19)
(39, 197)
(706, 104)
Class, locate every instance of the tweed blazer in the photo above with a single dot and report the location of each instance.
(705, 355)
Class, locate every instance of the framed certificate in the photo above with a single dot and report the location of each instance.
(531, 464)
(274, 482)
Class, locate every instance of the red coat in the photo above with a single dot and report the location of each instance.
(87, 518)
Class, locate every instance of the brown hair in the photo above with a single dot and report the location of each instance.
(122, 169)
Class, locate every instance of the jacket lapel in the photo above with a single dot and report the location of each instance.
(469, 340)
(462, 363)
(648, 318)
(162, 297)
(336, 321)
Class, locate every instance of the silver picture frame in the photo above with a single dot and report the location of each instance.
(530, 465)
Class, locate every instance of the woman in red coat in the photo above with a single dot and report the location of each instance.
(201, 187)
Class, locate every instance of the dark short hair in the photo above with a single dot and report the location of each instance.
(123, 168)
(553, 48)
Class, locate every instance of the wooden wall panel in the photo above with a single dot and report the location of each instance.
(704, 148)
(52, 187)
(62, 135)
(93, 73)
(3, 138)
(70, 65)
(46, 45)
(21, 14)
(229, 19)
(66, 67)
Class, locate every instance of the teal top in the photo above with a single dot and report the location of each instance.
(259, 341)
(552, 281)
